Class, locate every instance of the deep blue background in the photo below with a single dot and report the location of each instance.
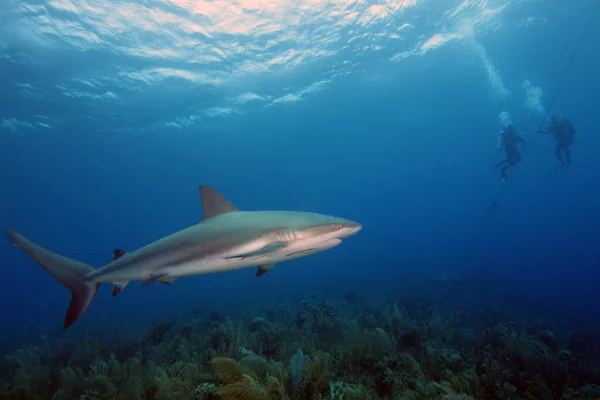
(408, 155)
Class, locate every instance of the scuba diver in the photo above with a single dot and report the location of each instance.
(564, 134)
(508, 139)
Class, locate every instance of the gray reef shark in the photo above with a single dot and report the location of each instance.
(225, 239)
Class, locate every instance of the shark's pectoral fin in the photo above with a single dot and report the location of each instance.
(258, 253)
(263, 269)
(213, 203)
(119, 287)
(154, 278)
(168, 280)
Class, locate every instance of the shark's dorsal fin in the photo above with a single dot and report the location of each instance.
(118, 254)
(263, 269)
(213, 203)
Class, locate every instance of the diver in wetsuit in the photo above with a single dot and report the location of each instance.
(564, 134)
(510, 138)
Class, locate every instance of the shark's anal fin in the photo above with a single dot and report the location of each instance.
(263, 269)
(213, 203)
(118, 253)
(153, 278)
(119, 287)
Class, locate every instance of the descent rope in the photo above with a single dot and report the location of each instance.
(562, 80)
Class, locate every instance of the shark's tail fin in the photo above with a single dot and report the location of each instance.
(69, 272)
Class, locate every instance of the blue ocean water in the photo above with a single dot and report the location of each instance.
(383, 112)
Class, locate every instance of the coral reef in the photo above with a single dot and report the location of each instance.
(346, 348)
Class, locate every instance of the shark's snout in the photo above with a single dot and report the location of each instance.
(351, 228)
(356, 229)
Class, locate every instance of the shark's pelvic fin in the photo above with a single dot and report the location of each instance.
(168, 280)
(213, 203)
(70, 273)
(154, 278)
(263, 269)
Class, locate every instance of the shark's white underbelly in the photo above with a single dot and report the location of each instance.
(249, 254)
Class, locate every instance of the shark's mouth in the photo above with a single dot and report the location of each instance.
(299, 252)
(328, 244)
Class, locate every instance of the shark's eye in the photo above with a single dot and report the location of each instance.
(340, 226)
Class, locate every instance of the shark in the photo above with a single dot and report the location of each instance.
(224, 239)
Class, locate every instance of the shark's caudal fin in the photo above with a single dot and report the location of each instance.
(69, 272)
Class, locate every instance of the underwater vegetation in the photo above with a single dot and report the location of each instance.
(345, 348)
